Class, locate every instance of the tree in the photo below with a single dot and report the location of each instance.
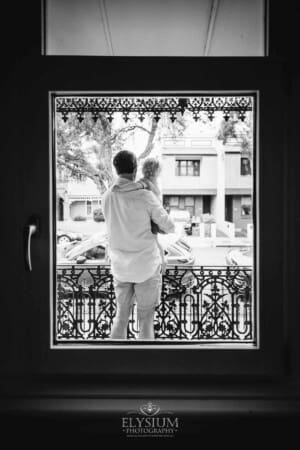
(242, 132)
(85, 148)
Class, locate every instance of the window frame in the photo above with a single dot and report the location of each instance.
(268, 359)
(44, 74)
(178, 169)
(28, 368)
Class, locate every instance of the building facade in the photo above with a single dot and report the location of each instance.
(197, 177)
(77, 199)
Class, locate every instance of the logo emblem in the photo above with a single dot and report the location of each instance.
(149, 409)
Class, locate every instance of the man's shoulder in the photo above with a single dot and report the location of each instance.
(106, 195)
(147, 195)
(142, 193)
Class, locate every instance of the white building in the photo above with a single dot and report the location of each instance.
(77, 198)
(202, 177)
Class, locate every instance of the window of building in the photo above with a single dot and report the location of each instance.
(187, 168)
(89, 207)
(174, 201)
(245, 166)
(189, 201)
(156, 28)
(246, 206)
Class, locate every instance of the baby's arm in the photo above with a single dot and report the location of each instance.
(148, 184)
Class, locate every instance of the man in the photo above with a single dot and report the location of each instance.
(133, 250)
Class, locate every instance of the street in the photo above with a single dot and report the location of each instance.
(210, 256)
(204, 255)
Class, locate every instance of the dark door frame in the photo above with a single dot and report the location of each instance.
(29, 75)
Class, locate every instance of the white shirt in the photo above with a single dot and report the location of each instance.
(132, 246)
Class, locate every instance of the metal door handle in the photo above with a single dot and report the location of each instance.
(31, 229)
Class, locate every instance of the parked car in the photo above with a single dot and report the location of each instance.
(176, 255)
(63, 237)
(93, 249)
(240, 257)
(180, 215)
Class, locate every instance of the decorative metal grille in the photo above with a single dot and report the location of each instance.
(156, 105)
(206, 304)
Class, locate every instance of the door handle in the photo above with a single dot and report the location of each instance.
(31, 229)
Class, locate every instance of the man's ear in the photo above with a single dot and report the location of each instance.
(134, 173)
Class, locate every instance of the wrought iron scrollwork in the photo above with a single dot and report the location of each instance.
(206, 304)
(157, 105)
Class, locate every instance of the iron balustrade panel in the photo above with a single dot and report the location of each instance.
(206, 304)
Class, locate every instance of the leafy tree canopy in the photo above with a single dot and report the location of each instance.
(85, 149)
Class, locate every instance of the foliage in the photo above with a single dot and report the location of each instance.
(79, 218)
(227, 130)
(234, 128)
(85, 149)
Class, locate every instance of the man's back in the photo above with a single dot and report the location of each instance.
(132, 246)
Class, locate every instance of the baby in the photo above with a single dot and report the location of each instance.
(151, 169)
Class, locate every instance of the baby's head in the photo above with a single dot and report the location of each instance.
(151, 168)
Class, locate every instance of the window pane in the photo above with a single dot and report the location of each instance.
(245, 166)
(174, 201)
(208, 290)
(190, 168)
(155, 28)
(189, 201)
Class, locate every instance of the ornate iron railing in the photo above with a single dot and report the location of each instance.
(207, 304)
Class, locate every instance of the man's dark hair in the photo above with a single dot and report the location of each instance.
(125, 162)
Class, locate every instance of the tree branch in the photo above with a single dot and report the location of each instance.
(127, 130)
(151, 137)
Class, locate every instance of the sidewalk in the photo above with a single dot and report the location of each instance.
(196, 241)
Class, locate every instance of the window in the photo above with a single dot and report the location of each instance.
(88, 207)
(246, 206)
(245, 166)
(156, 28)
(210, 306)
(189, 201)
(174, 201)
(187, 168)
(74, 74)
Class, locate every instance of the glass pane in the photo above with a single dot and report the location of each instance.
(207, 293)
(245, 166)
(155, 28)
